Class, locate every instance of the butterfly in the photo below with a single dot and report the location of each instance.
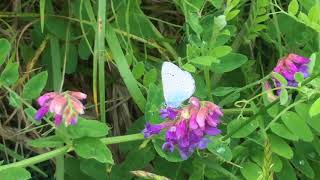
(178, 85)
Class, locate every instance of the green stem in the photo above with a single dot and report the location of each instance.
(276, 24)
(264, 109)
(208, 82)
(65, 149)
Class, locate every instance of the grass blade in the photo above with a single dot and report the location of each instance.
(124, 69)
(100, 55)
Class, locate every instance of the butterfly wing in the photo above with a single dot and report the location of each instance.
(178, 85)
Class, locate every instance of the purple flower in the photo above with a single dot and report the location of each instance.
(151, 129)
(187, 127)
(65, 106)
(169, 112)
(290, 65)
(168, 146)
(41, 113)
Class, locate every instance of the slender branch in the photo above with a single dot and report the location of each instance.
(65, 149)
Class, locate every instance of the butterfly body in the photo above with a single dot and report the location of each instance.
(178, 85)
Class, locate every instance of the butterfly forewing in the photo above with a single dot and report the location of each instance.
(178, 85)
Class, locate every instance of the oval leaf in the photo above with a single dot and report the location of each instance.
(88, 128)
(230, 62)
(35, 85)
(280, 147)
(297, 125)
(315, 108)
(93, 148)
(15, 173)
(4, 49)
(10, 74)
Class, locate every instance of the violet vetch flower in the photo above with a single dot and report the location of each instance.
(188, 128)
(290, 65)
(65, 106)
(151, 129)
(169, 112)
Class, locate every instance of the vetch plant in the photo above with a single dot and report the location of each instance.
(185, 127)
(188, 127)
(65, 106)
(244, 105)
(288, 67)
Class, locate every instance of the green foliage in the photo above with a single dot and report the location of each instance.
(93, 148)
(4, 49)
(10, 74)
(15, 173)
(87, 128)
(113, 51)
(35, 85)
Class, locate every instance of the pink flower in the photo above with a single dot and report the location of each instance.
(289, 65)
(65, 106)
(188, 128)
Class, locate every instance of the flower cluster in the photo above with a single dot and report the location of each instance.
(187, 127)
(65, 106)
(290, 65)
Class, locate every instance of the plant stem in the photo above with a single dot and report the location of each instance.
(276, 25)
(65, 149)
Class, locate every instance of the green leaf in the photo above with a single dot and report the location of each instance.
(220, 51)
(42, 8)
(154, 102)
(35, 85)
(93, 168)
(193, 21)
(245, 130)
(293, 7)
(198, 168)
(283, 131)
(232, 14)
(287, 171)
(258, 157)
(204, 60)
(315, 108)
(220, 149)
(220, 22)
(297, 125)
(10, 74)
(189, 67)
(138, 70)
(4, 49)
(14, 100)
(280, 147)
(88, 128)
(298, 77)
(229, 62)
(301, 163)
(93, 148)
(72, 170)
(284, 96)
(222, 91)
(15, 173)
(50, 141)
(138, 158)
(71, 58)
(250, 170)
(150, 77)
(303, 110)
(280, 78)
(314, 14)
(83, 49)
(169, 156)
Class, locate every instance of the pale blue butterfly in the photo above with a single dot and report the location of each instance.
(178, 85)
